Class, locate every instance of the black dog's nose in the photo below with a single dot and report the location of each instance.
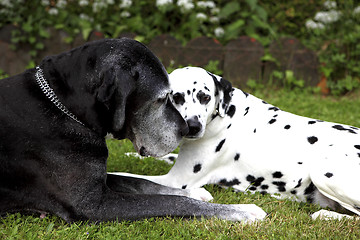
(194, 126)
(143, 152)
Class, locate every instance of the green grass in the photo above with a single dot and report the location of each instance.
(287, 219)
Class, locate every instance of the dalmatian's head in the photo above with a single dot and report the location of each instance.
(199, 96)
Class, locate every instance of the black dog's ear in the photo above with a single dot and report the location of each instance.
(117, 84)
(107, 88)
(223, 94)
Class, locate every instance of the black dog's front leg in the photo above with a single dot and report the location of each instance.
(126, 206)
(124, 184)
(133, 199)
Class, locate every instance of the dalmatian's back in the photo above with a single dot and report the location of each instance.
(273, 151)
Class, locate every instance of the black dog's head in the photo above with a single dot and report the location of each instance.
(119, 86)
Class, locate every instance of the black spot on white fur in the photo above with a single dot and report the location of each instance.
(231, 111)
(287, 127)
(312, 122)
(274, 109)
(277, 174)
(342, 128)
(281, 185)
(299, 183)
(312, 139)
(250, 178)
(357, 146)
(329, 175)
(197, 168)
(254, 182)
(237, 156)
(227, 183)
(219, 146)
(184, 186)
(272, 121)
(246, 111)
(309, 191)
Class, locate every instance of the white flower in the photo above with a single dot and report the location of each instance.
(160, 3)
(327, 17)
(219, 32)
(330, 4)
(86, 17)
(53, 11)
(6, 3)
(125, 14)
(98, 5)
(125, 3)
(201, 16)
(310, 24)
(215, 10)
(205, 4)
(61, 4)
(45, 2)
(185, 5)
(83, 3)
(214, 19)
(357, 10)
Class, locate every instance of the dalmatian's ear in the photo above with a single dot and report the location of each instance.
(223, 94)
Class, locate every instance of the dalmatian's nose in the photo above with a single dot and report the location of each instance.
(194, 126)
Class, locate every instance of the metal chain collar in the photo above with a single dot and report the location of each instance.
(49, 93)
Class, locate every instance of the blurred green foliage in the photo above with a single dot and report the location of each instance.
(330, 28)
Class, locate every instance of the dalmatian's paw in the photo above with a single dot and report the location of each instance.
(247, 213)
(329, 215)
(199, 194)
(169, 158)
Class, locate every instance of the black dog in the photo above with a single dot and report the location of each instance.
(53, 120)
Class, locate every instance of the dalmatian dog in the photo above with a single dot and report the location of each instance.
(240, 141)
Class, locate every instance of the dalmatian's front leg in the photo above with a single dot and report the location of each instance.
(169, 158)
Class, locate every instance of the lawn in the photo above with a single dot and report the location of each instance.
(287, 220)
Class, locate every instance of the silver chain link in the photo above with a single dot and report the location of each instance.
(49, 93)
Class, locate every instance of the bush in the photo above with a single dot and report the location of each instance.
(335, 41)
(335, 34)
(184, 19)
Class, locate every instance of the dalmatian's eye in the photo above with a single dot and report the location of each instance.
(203, 98)
(179, 98)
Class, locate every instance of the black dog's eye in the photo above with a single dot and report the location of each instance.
(179, 98)
(203, 98)
(163, 99)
